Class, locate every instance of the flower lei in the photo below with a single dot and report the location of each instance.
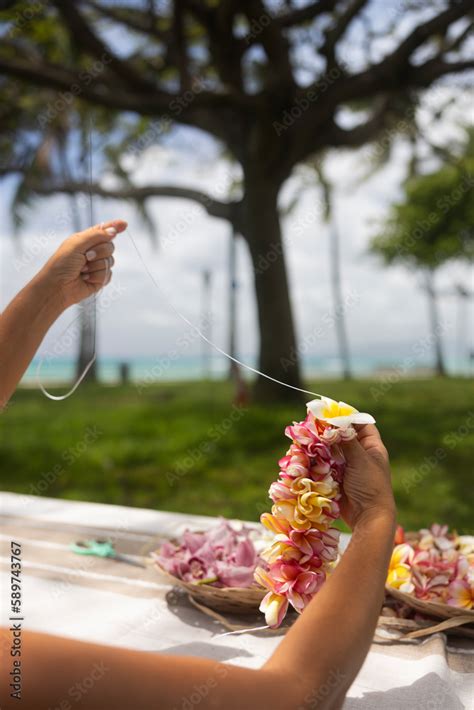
(305, 505)
(437, 566)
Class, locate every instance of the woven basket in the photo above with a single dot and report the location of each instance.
(436, 609)
(230, 600)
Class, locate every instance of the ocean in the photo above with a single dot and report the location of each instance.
(163, 368)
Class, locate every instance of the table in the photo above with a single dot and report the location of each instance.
(109, 602)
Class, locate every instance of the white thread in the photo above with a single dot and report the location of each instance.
(242, 631)
(91, 299)
(205, 338)
(170, 305)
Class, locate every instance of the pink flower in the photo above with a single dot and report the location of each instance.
(295, 463)
(221, 556)
(298, 583)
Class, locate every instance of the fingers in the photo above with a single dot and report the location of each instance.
(98, 278)
(98, 265)
(354, 452)
(100, 251)
(370, 439)
(91, 238)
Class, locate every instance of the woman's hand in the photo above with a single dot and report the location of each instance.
(83, 263)
(367, 485)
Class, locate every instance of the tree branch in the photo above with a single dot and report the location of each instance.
(438, 24)
(333, 34)
(305, 14)
(215, 208)
(85, 40)
(435, 68)
(273, 41)
(363, 133)
(134, 18)
(86, 86)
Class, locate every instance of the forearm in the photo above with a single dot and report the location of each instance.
(23, 326)
(325, 648)
(59, 672)
(328, 645)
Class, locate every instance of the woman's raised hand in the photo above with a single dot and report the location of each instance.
(83, 263)
(367, 482)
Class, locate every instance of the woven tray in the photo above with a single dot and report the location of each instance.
(436, 609)
(230, 600)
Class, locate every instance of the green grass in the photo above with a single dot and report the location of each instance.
(183, 447)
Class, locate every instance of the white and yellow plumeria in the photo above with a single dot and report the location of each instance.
(338, 414)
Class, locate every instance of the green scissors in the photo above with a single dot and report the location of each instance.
(102, 548)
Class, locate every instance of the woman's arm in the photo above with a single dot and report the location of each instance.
(79, 268)
(314, 664)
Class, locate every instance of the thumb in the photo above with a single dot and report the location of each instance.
(104, 232)
(354, 452)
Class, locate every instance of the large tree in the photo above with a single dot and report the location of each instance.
(275, 83)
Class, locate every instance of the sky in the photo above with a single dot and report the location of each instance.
(386, 309)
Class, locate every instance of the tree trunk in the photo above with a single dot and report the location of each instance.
(339, 314)
(87, 342)
(278, 352)
(435, 324)
(87, 318)
(232, 276)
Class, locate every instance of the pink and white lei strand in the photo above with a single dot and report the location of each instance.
(305, 505)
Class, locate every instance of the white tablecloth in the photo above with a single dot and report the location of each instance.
(109, 602)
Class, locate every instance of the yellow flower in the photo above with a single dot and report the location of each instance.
(339, 414)
(399, 570)
(309, 510)
(327, 487)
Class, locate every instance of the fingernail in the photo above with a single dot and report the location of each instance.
(111, 231)
(86, 277)
(90, 255)
(84, 269)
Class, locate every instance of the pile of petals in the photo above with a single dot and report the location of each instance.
(222, 556)
(435, 566)
(305, 505)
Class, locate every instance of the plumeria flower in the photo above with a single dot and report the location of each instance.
(338, 414)
(429, 587)
(461, 593)
(326, 487)
(310, 510)
(295, 463)
(399, 569)
(274, 606)
(437, 535)
(274, 524)
(305, 505)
